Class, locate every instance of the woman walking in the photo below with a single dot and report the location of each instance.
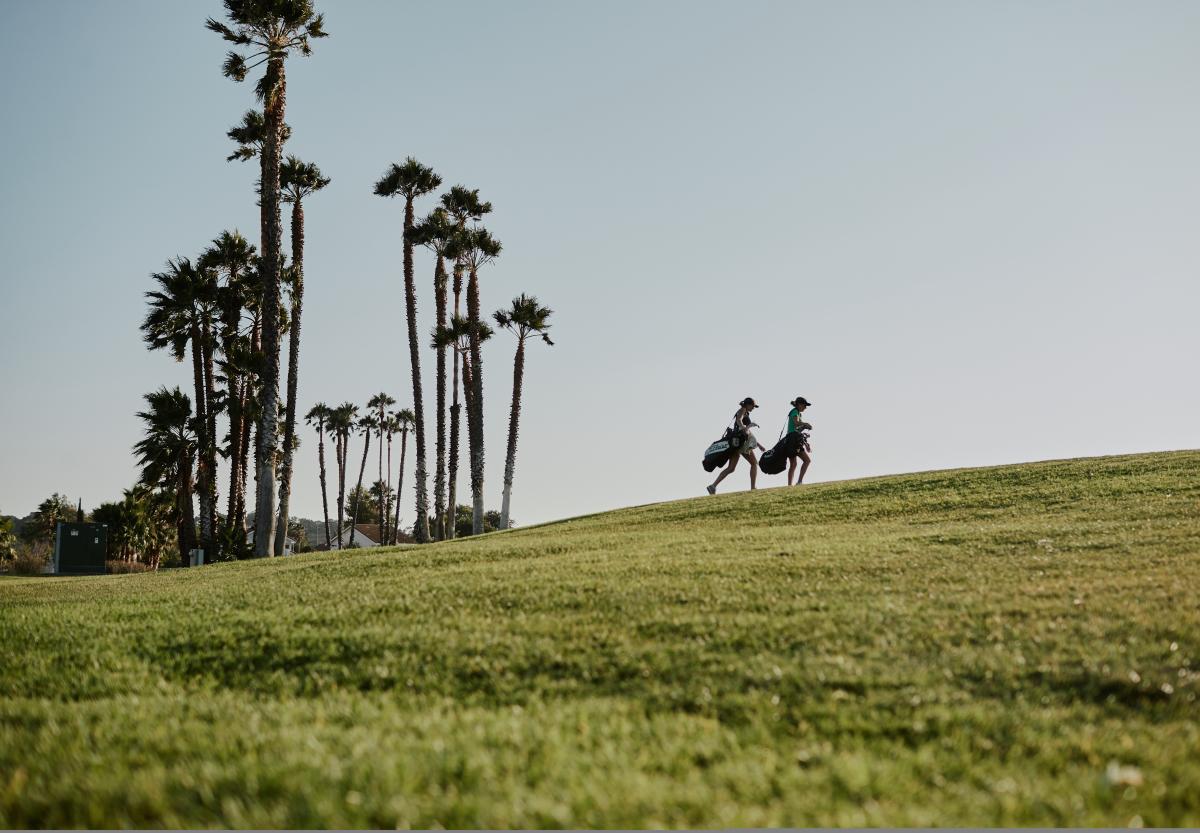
(797, 436)
(742, 424)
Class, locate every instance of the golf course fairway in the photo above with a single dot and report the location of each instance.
(1005, 646)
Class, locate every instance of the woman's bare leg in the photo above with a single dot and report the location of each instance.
(803, 456)
(791, 469)
(753, 469)
(733, 461)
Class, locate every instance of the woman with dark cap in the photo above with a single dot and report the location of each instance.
(798, 439)
(741, 419)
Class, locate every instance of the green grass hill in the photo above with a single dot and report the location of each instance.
(1003, 646)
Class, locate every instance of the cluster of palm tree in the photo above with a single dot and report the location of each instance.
(453, 233)
(232, 306)
(340, 424)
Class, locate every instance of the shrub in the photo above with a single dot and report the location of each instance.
(119, 567)
(31, 558)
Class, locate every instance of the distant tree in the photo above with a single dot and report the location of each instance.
(362, 501)
(42, 524)
(404, 421)
(183, 312)
(378, 405)
(524, 318)
(167, 455)
(457, 335)
(380, 493)
(476, 249)
(298, 534)
(234, 262)
(463, 205)
(412, 180)
(437, 232)
(319, 415)
(464, 518)
(8, 539)
(341, 423)
(298, 180)
(366, 425)
(272, 29)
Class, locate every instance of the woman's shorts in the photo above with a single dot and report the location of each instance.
(748, 444)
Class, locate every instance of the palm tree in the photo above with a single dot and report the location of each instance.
(463, 205)
(524, 318)
(181, 313)
(457, 335)
(298, 180)
(378, 404)
(319, 415)
(231, 257)
(405, 419)
(478, 249)
(388, 429)
(167, 454)
(412, 180)
(273, 29)
(365, 425)
(341, 422)
(437, 233)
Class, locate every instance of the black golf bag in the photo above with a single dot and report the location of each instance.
(718, 453)
(773, 461)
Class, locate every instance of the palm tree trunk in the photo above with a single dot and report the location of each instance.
(266, 446)
(289, 423)
(421, 528)
(400, 476)
(385, 488)
(514, 418)
(382, 496)
(208, 450)
(235, 433)
(324, 493)
(475, 406)
(183, 504)
(358, 495)
(439, 477)
(201, 419)
(452, 496)
(341, 504)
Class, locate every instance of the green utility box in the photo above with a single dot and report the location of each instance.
(80, 549)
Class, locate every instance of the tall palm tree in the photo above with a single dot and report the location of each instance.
(167, 454)
(272, 29)
(298, 180)
(378, 404)
(233, 259)
(463, 205)
(457, 336)
(388, 429)
(365, 425)
(319, 415)
(341, 422)
(437, 233)
(524, 318)
(405, 420)
(480, 248)
(181, 313)
(412, 180)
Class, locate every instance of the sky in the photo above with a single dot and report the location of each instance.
(965, 231)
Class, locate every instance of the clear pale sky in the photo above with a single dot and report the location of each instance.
(967, 231)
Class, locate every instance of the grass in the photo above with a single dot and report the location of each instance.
(1005, 646)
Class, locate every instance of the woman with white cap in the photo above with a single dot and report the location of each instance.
(741, 419)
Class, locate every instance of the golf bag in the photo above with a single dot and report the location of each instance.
(773, 461)
(718, 453)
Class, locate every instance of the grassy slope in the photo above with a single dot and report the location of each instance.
(969, 648)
